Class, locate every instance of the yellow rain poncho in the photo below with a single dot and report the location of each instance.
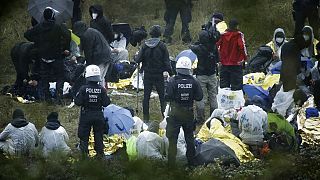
(217, 131)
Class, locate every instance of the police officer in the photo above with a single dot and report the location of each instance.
(181, 91)
(92, 97)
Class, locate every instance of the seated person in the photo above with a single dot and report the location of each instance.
(53, 137)
(278, 40)
(118, 48)
(150, 144)
(20, 137)
(253, 124)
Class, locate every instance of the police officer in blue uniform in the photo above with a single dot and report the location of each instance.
(181, 92)
(92, 97)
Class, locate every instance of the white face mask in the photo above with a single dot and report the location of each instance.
(279, 40)
(306, 37)
(94, 15)
(116, 36)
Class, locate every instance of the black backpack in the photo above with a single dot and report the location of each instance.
(261, 60)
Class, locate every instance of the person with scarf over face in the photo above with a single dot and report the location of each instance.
(20, 137)
(53, 136)
(278, 40)
(100, 22)
(308, 55)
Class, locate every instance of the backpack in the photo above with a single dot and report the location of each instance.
(261, 60)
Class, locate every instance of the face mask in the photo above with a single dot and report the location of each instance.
(94, 15)
(279, 40)
(116, 36)
(306, 37)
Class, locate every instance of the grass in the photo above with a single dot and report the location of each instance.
(258, 19)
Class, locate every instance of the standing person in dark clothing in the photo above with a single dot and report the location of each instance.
(173, 7)
(96, 49)
(100, 22)
(181, 91)
(50, 41)
(291, 62)
(303, 9)
(155, 60)
(77, 14)
(233, 53)
(208, 57)
(92, 98)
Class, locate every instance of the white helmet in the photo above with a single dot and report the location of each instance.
(183, 65)
(93, 73)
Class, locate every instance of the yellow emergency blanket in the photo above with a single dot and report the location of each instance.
(309, 128)
(111, 144)
(217, 131)
(123, 83)
(260, 79)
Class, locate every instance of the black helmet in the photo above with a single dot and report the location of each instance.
(155, 31)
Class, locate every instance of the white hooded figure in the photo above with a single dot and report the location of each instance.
(20, 137)
(53, 137)
(253, 123)
(278, 40)
(118, 48)
(150, 144)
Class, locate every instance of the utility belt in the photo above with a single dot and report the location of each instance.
(91, 109)
(176, 107)
(48, 60)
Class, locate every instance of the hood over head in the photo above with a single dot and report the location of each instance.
(79, 28)
(52, 121)
(155, 31)
(18, 119)
(152, 42)
(97, 8)
(279, 34)
(204, 37)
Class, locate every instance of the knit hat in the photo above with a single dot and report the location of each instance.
(49, 14)
(155, 31)
(233, 23)
(18, 113)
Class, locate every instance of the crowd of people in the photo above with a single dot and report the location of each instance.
(221, 56)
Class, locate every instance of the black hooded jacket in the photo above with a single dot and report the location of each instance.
(101, 23)
(207, 53)
(96, 48)
(154, 56)
(50, 39)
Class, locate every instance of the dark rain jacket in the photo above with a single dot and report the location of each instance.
(290, 56)
(154, 56)
(101, 23)
(50, 39)
(96, 48)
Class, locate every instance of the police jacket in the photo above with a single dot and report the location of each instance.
(92, 97)
(182, 90)
(154, 56)
(101, 23)
(96, 48)
(50, 39)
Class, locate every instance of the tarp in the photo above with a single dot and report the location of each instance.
(207, 153)
(218, 132)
